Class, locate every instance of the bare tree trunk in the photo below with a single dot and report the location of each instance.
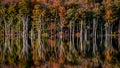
(88, 38)
(107, 36)
(73, 37)
(39, 39)
(40, 44)
(32, 36)
(55, 49)
(5, 44)
(70, 46)
(81, 35)
(94, 36)
(11, 36)
(77, 37)
(111, 36)
(101, 36)
(85, 36)
(25, 49)
(61, 50)
(19, 32)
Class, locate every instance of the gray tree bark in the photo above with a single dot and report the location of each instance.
(94, 36)
(25, 48)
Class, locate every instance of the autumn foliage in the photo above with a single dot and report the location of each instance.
(57, 33)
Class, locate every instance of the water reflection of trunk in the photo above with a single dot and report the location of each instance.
(18, 32)
(32, 36)
(111, 27)
(5, 43)
(11, 40)
(11, 37)
(72, 36)
(25, 36)
(81, 35)
(88, 36)
(55, 48)
(101, 36)
(18, 42)
(85, 36)
(61, 50)
(94, 36)
(77, 33)
(72, 44)
(107, 36)
(40, 44)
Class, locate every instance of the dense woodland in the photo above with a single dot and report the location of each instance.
(84, 33)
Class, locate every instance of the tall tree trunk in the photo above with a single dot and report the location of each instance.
(11, 36)
(5, 44)
(25, 49)
(94, 36)
(32, 36)
(111, 36)
(55, 48)
(70, 46)
(77, 37)
(85, 36)
(40, 44)
(107, 36)
(101, 36)
(81, 36)
(61, 50)
(73, 37)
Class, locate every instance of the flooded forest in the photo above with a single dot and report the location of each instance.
(59, 33)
